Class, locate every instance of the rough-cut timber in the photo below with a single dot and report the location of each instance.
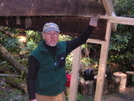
(50, 7)
(70, 15)
(68, 25)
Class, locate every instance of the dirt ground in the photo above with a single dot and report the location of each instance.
(8, 93)
(127, 95)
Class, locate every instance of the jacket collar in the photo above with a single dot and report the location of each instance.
(42, 47)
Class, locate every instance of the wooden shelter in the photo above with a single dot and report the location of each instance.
(72, 16)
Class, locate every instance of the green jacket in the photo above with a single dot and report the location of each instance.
(51, 76)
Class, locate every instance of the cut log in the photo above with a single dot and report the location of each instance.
(130, 75)
(17, 83)
(113, 86)
(105, 88)
(86, 87)
(10, 59)
(121, 78)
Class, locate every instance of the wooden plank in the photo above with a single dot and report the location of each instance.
(122, 22)
(110, 11)
(50, 7)
(119, 20)
(96, 41)
(108, 7)
(10, 75)
(75, 74)
(130, 72)
(129, 19)
(102, 64)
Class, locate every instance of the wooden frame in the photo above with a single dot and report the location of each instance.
(112, 23)
(103, 57)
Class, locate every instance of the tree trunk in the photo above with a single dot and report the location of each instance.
(86, 87)
(121, 78)
(105, 86)
(9, 58)
(130, 75)
(17, 83)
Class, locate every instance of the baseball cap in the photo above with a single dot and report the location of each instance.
(50, 27)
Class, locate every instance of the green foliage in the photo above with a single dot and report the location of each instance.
(94, 53)
(121, 45)
(124, 8)
(86, 61)
(69, 60)
(33, 38)
(7, 66)
(81, 97)
(11, 44)
(65, 37)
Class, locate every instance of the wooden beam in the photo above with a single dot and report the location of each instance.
(72, 26)
(50, 7)
(102, 64)
(75, 74)
(108, 5)
(122, 22)
(110, 11)
(130, 72)
(96, 41)
(119, 20)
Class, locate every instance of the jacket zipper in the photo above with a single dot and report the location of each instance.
(55, 65)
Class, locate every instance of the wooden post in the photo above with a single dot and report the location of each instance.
(75, 74)
(102, 64)
(110, 11)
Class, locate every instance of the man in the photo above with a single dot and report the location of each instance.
(46, 73)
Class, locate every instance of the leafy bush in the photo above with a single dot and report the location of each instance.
(121, 45)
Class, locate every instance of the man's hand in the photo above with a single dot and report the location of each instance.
(94, 20)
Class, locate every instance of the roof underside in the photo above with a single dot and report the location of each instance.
(68, 14)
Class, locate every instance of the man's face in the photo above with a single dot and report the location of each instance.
(51, 38)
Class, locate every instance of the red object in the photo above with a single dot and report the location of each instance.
(68, 80)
